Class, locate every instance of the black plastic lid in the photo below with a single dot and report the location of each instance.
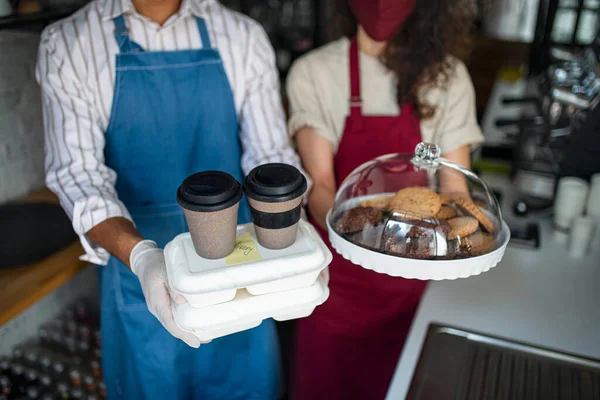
(275, 183)
(209, 191)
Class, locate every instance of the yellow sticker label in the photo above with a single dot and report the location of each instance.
(245, 251)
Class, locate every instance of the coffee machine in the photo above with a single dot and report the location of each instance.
(567, 93)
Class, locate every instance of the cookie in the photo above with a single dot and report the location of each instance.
(356, 219)
(420, 201)
(418, 248)
(462, 226)
(469, 207)
(420, 228)
(478, 243)
(480, 204)
(381, 202)
(446, 199)
(455, 251)
(446, 212)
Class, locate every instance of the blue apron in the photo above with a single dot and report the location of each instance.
(173, 114)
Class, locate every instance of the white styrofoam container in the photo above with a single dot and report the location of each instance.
(247, 311)
(206, 282)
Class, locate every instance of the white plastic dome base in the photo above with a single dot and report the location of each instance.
(414, 268)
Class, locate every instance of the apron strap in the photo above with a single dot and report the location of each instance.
(204, 36)
(355, 99)
(126, 45)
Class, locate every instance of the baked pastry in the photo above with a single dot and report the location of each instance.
(470, 208)
(356, 219)
(478, 243)
(417, 200)
(462, 226)
(381, 202)
(446, 212)
(446, 198)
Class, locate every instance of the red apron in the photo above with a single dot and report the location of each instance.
(349, 347)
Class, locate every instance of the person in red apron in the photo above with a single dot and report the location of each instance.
(348, 348)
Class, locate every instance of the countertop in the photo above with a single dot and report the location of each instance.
(23, 286)
(541, 297)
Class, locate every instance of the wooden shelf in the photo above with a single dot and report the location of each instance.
(22, 287)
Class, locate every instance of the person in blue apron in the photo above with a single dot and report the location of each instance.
(173, 113)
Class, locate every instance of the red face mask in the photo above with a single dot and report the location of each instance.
(381, 19)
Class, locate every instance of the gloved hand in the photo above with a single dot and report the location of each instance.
(148, 264)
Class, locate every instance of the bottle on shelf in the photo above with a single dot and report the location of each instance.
(85, 333)
(77, 393)
(57, 342)
(89, 384)
(44, 335)
(83, 346)
(17, 372)
(102, 389)
(31, 377)
(70, 344)
(31, 357)
(98, 338)
(5, 385)
(32, 393)
(58, 368)
(75, 377)
(72, 328)
(62, 389)
(45, 363)
(96, 368)
(4, 365)
(46, 383)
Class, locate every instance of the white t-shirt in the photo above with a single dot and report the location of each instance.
(318, 89)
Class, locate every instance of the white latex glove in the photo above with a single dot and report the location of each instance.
(148, 264)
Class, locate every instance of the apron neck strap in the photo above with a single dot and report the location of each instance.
(127, 45)
(122, 36)
(355, 99)
(204, 36)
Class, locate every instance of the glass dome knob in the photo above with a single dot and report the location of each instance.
(427, 154)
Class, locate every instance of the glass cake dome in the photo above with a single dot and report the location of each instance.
(419, 208)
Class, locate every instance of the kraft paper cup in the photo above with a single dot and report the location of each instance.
(569, 203)
(210, 201)
(275, 193)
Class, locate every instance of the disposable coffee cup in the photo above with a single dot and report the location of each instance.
(569, 202)
(275, 194)
(582, 233)
(210, 201)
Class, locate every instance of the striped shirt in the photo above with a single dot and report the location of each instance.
(76, 72)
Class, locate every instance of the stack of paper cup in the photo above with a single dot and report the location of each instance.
(593, 206)
(570, 202)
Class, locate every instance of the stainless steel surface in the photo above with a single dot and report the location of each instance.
(512, 20)
(457, 364)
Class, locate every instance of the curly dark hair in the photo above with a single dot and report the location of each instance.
(418, 53)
